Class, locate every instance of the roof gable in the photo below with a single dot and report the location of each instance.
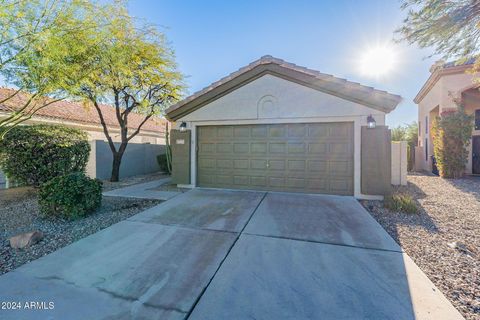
(352, 91)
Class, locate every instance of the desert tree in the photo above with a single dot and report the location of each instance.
(135, 72)
(40, 55)
(451, 28)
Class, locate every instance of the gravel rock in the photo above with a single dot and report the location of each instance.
(444, 237)
(19, 213)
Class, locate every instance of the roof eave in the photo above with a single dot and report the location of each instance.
(434, 77)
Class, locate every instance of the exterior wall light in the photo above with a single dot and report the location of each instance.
(371, 123)
(183, 126)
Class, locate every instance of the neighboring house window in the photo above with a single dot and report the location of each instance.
(477, 119)
(426, 124)
(426, 149)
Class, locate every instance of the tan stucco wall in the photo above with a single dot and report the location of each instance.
(399, 163)
(271, 99)
(449, 86)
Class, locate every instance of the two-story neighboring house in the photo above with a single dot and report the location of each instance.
(447, 82)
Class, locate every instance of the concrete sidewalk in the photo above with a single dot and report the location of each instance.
(146, 190)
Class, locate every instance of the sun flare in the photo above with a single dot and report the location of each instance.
(378, 61)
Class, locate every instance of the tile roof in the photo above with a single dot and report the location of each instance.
(79, 112)
(457, 63)
(368, 95)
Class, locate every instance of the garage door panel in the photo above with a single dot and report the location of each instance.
(317, 148)
(318, 166)
(277, 147)
(276, 165)
(258, 147)
(224, 148)
(258, 181)
(297, 165)
(314, 157)
(340, 168)
(206, 179)
(225, 163)
(318, 185)
(339, 148)
(315, 131)
(259, 131)
(241, 147)
(241, 163)
(224, 132)
(206, 148)
(243, 181)
(258, 164)
(278, 131)
(276, 182)
(341, 186)
(296, 183)
(206, 163)
(296, 147)
(224, 180)
(241, 132)
(297, 130)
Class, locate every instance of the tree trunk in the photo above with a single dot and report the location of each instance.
(117, 160)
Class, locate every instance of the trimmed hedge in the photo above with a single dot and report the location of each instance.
(35, 154)
(70, 196)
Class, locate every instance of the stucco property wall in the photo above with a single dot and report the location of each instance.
(270, 99)
(2, 180)
(399, 163)
(138, 159)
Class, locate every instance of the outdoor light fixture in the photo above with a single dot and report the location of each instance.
(183, 126)
(371, 124)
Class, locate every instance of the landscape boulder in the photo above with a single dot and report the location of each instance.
(24, 240)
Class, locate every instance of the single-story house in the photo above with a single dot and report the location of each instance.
(78, 115)
(140, 156)
(273, 125)
(447, 82)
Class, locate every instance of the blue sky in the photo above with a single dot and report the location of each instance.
(213, 38)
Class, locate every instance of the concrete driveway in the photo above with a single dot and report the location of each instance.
(218, 254)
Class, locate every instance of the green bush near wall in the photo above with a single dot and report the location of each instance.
(163, 163)
(35, 154)
(70, 196)
(399, 202)
(451, 135)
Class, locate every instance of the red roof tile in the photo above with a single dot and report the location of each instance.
(79, 112)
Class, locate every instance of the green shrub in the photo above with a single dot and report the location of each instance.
(162, 162)
(451, 135)
(70, 196)
(35, 154)
(401, 203)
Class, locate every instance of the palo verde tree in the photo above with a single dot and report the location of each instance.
(135, 71)
(451, 28)
(40, 55)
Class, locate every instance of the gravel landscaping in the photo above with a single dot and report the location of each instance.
(19, 213)
(444, 237)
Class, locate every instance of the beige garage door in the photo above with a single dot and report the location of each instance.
(314, 157)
